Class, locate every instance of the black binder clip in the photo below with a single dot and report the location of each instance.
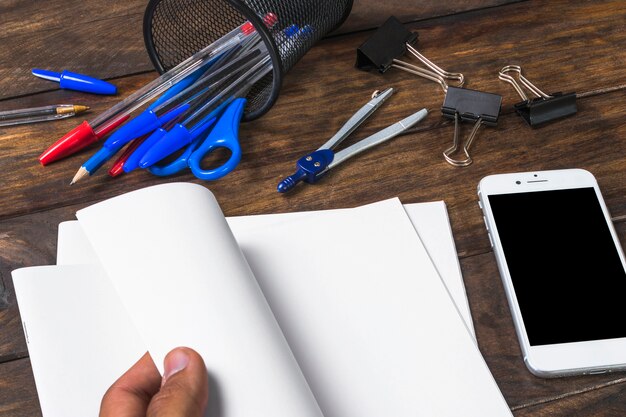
(470, 106)
(542, 109)
(392, 40)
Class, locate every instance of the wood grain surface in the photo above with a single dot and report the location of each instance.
(562, 46)
(18, 396)
(368, 14)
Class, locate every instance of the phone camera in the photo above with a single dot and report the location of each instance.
(518, 182)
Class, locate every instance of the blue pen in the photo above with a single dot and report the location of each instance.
(224, 134)
(177, 88)
(194, 95)
(173, 103)
(178, 137)
(132, 162)
(246, 56)
(177, 165)
(108, 150)
(150, 118)
(181, 89)
(185, 91)
(181, 134)
(166, 148)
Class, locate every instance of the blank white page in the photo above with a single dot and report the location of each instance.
(429, 219)
(65, 309)
(433, 227)
(368, 318)
(73, 247)
(182, 277)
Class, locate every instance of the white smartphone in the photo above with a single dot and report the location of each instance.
(563, 269)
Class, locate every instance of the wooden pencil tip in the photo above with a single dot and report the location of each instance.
(80, 174)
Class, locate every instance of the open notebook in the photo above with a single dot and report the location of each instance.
(330, 313)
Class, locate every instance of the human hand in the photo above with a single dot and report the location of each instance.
(141, 392)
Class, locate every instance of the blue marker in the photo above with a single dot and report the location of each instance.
(78, 82)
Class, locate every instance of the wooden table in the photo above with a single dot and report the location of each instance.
(562, 46)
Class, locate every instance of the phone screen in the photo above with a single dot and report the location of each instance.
(565, 268)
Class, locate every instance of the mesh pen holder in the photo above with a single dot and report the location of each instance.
(176, 29)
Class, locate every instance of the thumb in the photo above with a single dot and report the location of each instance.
(185, 387)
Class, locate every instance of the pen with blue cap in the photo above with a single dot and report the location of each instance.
(183, 133)
(118, 166)
(184, 137)
(141, 125)
(192, 86)
(106, 152)
(244, 59)
(162, 112)
(90, 132)
(74, 81)
(212, 69)
(132, 162)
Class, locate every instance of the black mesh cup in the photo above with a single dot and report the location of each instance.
(176, 29)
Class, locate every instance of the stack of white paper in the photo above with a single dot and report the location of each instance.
(330, 313)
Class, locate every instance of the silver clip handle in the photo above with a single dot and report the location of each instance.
(433, 73)
(457, 141)
(502, 75)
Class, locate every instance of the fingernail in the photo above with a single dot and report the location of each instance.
(175, 362)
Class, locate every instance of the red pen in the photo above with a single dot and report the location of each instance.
(76, 139)
(118, 166)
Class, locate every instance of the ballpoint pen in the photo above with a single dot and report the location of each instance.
(40, 114)
(106, 152)
(118, 165)
(154, 117)
(140, 128)
(182, 133)
(189, 91)
(132, 162)
(91, 131)
(223, 134)
(192, 90)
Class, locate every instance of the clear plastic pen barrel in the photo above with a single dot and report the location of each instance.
(168, 79)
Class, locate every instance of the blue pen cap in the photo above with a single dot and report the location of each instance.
(176, 138)
(78, 82)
